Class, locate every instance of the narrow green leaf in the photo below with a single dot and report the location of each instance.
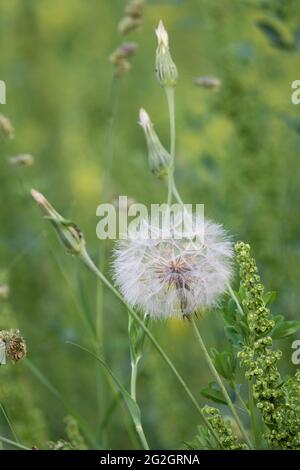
(269, 297)
(213, 393)
(132, 406)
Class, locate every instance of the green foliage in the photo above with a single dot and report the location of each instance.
(204, 441)
(277, 399)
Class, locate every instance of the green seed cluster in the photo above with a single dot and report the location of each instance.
(223, 428)
(279, 403)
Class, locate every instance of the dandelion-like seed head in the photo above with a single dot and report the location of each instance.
(173, 277)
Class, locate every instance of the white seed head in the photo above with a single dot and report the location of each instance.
(162, 35)
(170, 277)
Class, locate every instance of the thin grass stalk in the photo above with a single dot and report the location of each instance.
(108, 161)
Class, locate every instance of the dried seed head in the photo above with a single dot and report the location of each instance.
(15, 346)
(21, 160)
(68, 232)
(135, 8)
(128, 24)
(133, 17)
(159, 159)
(6, 127)
(166, 70)
(119, 58)
(212, 83)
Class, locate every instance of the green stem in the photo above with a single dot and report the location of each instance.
(177, 195)
(9, 422)
(252, 411)
(234, 297)
(253, 416)
(219, 381)
(90, 264)
(13, 443)
(134, 371)
(108, 160)
(171, 106)
(240, 398)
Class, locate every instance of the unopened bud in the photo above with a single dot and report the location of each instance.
(68, 232)
(21, 160)
(166, 70)
(158, 157)
(6, 127)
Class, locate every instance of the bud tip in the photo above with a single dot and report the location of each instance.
(144, 119)
(162, 35)
(38, 197)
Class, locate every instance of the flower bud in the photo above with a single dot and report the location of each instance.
(158, 157)
(133, 17)
(128, 24)
(21, 160)
(6, 127)
(68, 232)
(166, 70)
(119, 58)
(212, 83)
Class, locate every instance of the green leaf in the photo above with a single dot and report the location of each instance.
(213, 393)
(269, 297)
(233, 336)
(283, 329)
(225, 363)
(132, 406)
(276, 32)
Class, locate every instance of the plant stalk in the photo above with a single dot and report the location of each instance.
(220, 383)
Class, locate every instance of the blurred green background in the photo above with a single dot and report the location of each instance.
(237, 152)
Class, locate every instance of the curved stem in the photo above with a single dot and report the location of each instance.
(134, 371)
(234, 297)
(219, 381)
(253, 416)
(13, 443)
(90, 264)
(171, 106)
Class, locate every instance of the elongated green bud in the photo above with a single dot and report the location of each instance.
(166, 70)
(68, 232)
(158, 157)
